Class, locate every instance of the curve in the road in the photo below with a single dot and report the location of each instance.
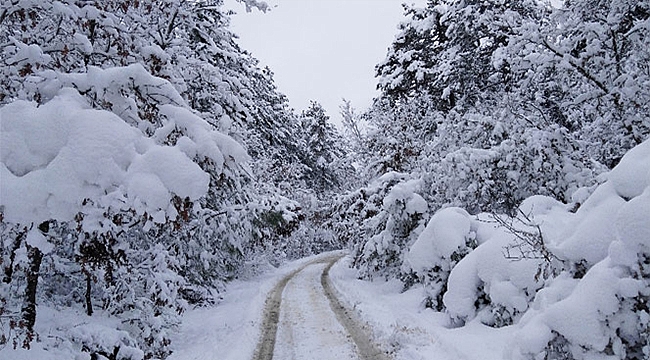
(366, 349)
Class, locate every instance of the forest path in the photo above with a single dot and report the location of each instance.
(303, 319)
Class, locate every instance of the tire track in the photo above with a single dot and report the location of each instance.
(266, 344)
(365, 348)
(271, 316)
(361, 335)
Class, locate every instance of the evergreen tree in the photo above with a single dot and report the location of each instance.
(324, 150)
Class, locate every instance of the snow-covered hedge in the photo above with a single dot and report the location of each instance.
(605, 313)
(576, 283)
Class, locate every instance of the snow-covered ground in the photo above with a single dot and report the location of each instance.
(308, 328)
(230, 331)
(407, 330)
(227, 331)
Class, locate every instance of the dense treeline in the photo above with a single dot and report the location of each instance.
(488, 103)
(483, 105)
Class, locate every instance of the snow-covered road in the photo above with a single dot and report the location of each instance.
(304, 320)
(316, 308)
(308, 328)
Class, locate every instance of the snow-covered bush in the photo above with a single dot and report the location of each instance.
(488, 266)
(101, 340)
(448, 238)
(392, 227)
(605, 313)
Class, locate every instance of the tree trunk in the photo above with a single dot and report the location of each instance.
(89, 301)
(9, 269)
(35, 256)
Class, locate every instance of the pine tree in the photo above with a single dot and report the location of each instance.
(323, 148)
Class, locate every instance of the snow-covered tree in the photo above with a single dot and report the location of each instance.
(457, 109)
(324, 150)
(583, 66)
(489, 103)
(378, 222)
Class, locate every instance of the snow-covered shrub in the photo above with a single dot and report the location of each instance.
(448, 238)
(498, 177)
(605, 313)
(396, 225)
(100, 340)
(497, 281)
(352, 211)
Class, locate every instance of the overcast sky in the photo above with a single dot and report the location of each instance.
(321, 50)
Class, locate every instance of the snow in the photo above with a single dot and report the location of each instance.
(220, 148)
(633, 223)
(101, 332)
(60, 157)
(584, 326)
(55, 156)
(463, 284)
(589, 312)
(409, 332)
(82, 42)
(537, 205)
(308, 329)
(405, 192)
(592, 232)
(632, 176)
(446, 233)
(397, 320)
(607, 230)
(232, 328)
(36, 239)
(186, 180)
(31, 54)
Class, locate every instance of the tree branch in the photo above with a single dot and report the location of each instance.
(581, 70)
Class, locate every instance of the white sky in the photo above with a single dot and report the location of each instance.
(321, 50)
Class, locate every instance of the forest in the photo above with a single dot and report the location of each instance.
(147, 161)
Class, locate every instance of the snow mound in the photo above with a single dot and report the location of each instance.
(632, 176)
